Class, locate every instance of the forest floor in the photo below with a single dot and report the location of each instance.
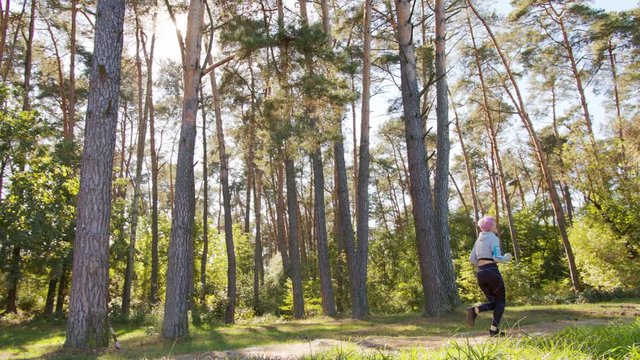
(271, 338)
(388, 347)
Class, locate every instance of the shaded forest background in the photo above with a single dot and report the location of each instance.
(298, 209)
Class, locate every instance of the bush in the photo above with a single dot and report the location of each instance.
(595, 295)
(602, 257)
(466, 281)
(29, 302)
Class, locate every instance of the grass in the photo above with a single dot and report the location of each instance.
(43, 339)
(613, 341)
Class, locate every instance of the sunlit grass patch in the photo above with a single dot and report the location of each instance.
(614, 341)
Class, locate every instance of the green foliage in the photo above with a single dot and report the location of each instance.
(312, 300)
(462, 233)
(250, 34)
(393, 282)
(467, 282)
(273, 291)
(520, 282)
(540, 242)
(606, 260)
(38, 204)
(310, 40)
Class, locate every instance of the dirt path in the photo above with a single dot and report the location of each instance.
(377, 344)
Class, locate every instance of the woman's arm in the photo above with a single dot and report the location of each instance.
(497, 253)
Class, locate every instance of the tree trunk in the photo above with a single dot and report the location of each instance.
(7, 63)
(616, 97)
(87, 326)
(448, 288)
(13, 277)
(26, 103)
(564, 189)
(229, 317)
(62, 287)
(258, 268)
(153, 294)
(72, 70)
(294, 252)
(460, 195)
(401, 171)
(355, 140)
(576, 75)
(64, 107)
(181, 245)
(51, 297)
(4, 25)
(250, 174)
(435, 301)
(362, 202)
(524, 116)
(468, 170)
(326, 290)
(135, 204)
(341, 284)
(258, 272)
(280, 219)
(204, 259)
(346, 228)
(320, 222)
(304, 232)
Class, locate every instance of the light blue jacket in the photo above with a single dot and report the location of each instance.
(488, 247)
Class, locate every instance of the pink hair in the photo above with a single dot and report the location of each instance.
(486, 223)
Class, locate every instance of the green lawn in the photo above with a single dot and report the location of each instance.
(43, 339)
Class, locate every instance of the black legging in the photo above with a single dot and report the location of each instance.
(492, 285)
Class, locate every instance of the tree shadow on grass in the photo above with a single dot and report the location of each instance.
(29, 332)
(62, 354)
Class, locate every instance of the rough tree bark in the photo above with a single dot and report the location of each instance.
(153, 294)
(320, 222)
(345, 227)
(364, 160)
(294, 251)
(448, 290)
(87, 325)
(230, 311)
(435, 301)
(72, 69)
(181, 244)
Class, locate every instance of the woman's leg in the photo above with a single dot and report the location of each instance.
(492, 285)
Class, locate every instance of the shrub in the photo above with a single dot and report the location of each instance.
(602, 257)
